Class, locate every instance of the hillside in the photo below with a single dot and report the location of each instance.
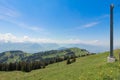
(16, 56)
(12, 56)
(61, 53)
(93, 67)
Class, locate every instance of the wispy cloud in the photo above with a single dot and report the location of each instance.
(88, 25)
(7, 10)
(35, 28)
(92, 24)
(9, 14)
(96, 21)
(29, 27)
(103, 17)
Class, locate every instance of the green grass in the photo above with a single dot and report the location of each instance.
(94, 67)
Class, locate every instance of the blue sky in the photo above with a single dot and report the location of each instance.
(59, 21)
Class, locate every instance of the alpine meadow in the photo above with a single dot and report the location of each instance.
(59, 40)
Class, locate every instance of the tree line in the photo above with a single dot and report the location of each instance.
(28, 66)
(22, 66)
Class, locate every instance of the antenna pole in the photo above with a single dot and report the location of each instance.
(111, 30)
(111, 57)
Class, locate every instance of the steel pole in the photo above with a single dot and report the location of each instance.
(111, 30)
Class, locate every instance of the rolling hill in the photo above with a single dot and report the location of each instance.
(16, 56)
(12, 56)
(93, 67)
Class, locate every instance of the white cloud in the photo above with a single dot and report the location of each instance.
(96, 21)
(78, 41)
(90, 24)
(36, 28)
(8, 37)
(29, 27)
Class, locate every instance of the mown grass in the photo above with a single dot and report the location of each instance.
(94, 67)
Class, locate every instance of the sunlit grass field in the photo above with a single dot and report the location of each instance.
(93, 67)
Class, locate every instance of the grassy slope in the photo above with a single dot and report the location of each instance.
(94, 67)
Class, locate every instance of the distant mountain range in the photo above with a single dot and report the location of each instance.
(37, 47)
(91, 48)
(28, 47)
